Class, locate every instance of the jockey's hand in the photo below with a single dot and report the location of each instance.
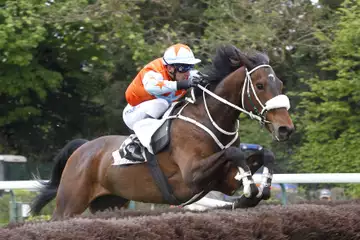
(196, 78)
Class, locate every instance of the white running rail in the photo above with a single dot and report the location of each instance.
(277, 178)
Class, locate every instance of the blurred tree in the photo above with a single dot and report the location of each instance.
(331, 107)
(287, 32)
(57, 62)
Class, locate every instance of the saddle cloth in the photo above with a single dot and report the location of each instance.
(144, 131)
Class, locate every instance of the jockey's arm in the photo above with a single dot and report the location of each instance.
(155, 84)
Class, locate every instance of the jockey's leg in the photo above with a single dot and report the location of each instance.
(154, 108)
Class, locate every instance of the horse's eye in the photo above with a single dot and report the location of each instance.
(260, 86)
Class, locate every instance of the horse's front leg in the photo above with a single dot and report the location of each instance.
(202, 172)
(264, 158)
(207, 170)
(244, 175)
(261, 158)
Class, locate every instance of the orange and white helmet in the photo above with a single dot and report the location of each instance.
(179, 54)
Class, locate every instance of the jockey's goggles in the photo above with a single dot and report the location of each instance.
(182, 68)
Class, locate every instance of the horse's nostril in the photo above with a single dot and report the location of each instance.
(285, 131)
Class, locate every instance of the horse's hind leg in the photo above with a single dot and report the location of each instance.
(72, 199)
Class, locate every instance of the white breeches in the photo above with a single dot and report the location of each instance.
(154, 108)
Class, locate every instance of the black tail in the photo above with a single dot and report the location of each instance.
(49, 189)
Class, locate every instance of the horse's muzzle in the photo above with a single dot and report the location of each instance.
(284, 132)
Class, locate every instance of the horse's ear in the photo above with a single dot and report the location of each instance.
(236, 57)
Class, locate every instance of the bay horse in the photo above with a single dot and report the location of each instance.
(202, 154)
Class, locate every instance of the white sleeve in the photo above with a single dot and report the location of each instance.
(155, 84)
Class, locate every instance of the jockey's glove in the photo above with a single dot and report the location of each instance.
(196, 78)
(183, 84)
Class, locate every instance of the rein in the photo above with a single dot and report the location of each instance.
(279, 101)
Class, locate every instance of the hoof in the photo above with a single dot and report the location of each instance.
(252, 190)
(244, 202)
(266, 193)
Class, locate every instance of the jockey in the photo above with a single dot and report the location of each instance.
(161, 82)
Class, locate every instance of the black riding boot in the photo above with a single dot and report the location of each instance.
(134, 152)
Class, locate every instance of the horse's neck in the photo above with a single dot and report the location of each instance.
(230, 89)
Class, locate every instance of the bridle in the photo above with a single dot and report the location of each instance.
(279, 101)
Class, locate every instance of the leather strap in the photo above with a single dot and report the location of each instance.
(160, 179)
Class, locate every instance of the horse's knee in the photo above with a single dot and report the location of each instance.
(268, 157)
(268, 154)
(235, 154)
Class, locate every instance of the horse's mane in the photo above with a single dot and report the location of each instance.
(228, 58)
